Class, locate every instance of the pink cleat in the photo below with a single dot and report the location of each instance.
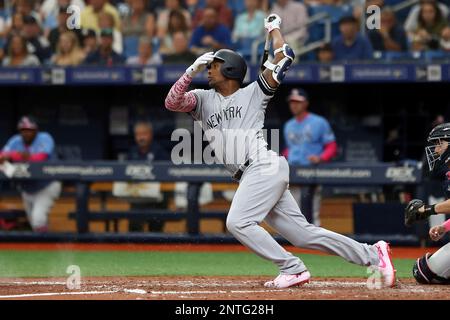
(288, 280)
(385, 266)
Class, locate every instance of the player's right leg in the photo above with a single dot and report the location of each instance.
(27, 200)
(256, 195)
(439, 262)
(43, 201)
(288, 220)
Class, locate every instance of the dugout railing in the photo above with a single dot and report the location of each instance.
(84, 174)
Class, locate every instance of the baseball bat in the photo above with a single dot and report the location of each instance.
(266, 52)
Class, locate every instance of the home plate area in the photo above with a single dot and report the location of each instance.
(211, 288)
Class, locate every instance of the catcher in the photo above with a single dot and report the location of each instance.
(434, 268)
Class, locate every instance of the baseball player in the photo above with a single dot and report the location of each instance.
(228, 113)
(310, 141)
(33, 146)
(434, 268)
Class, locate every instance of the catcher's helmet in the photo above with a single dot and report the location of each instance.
(234, 66)
(438, 135)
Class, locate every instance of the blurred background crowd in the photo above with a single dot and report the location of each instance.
(145, 32)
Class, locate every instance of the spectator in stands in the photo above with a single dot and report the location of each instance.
(30, 145)
(54, 34)
(351, 45)
(106, 21)
(90, 14)
(89, 41)
(182, 54)
(390, 36)
(146, 149)
(432, 26)
(105, 55)
(294, 16)
(139, 22)
(37, 43)
(5, 13)
(68, 51)
(145, 56)
(18, 55)
(250, 23)
(224, 13)
(155, 5)
(177, 23)
(50, 10)
(310, 141)
(412, 21)
(325, 53)
(165, 16)
(211, 35)
(26, 8)
(16, 25)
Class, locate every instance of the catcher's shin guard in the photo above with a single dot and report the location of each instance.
(423, 274)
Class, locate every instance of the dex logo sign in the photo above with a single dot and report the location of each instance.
(141, 172)
(401, 174)
(22, 170)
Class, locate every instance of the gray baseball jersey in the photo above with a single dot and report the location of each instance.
(263, 193)
(233, 124)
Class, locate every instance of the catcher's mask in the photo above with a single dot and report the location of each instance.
(438, 148)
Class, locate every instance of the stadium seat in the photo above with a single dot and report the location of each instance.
(130, 46)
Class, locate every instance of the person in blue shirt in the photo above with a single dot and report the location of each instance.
(351, 45)
(146, 149)
(310, 141)
(390, 36)
(105, 54)
(210, 35)
(30, 145)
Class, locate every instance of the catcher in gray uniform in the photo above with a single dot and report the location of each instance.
(232, 119)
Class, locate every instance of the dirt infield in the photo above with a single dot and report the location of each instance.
(212, 288)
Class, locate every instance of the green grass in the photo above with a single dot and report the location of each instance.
(119, 263)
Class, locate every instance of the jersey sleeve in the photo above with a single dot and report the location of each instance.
(327, 134)
(260, 93)
(264, 87)
(10, 144)
(46, 144)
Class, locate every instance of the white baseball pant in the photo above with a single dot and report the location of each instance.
(38, 205)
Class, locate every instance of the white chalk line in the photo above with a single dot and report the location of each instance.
(32, 283)
(48, 294)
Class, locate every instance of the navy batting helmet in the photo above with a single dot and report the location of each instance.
(234, 66)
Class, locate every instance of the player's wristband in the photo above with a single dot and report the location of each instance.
(429, 210)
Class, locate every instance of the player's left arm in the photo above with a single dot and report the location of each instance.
(437, 232)
(329, 143)
(284, 55)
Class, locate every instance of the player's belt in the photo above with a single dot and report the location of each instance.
(237, 176)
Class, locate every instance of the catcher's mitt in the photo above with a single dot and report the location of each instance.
(412, 213)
